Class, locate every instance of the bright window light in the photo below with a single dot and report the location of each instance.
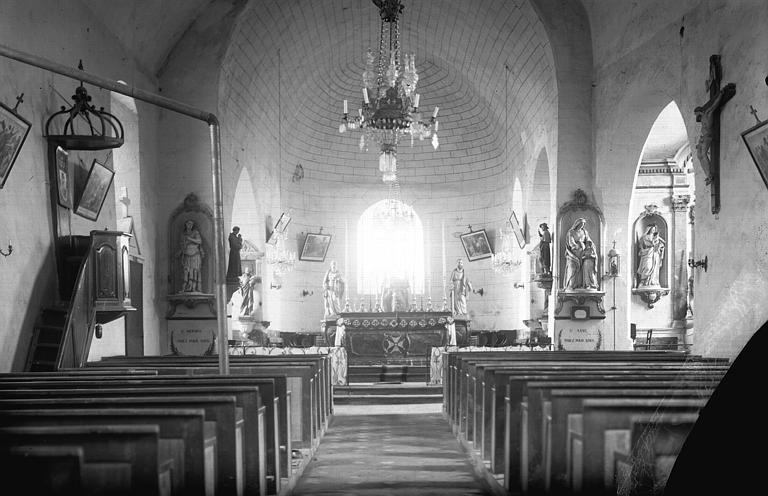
(390, 247)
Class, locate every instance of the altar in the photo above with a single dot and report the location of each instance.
(392, 337)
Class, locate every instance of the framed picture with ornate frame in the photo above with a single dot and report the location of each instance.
(95, 191)
(517, 229)
(476, 245)
(315, 247)
(13, 132)
(756, 139)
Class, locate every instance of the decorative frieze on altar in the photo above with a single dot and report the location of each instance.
(395, 335)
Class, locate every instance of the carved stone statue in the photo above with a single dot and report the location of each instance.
(460, 285)
(234, 269)
(589, 266)
(575, 243)
(544, 257)
(333, 291)
(249, 304)
(650, 253)
(191, 254)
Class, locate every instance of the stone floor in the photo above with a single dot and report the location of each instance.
(389, 450)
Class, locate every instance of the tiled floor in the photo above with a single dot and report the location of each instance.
(389, 450)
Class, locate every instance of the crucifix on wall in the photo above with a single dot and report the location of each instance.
(708, 145)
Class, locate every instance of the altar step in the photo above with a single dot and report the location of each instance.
(387, 394)
(387, 373)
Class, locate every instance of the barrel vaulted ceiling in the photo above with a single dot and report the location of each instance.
(292, 63)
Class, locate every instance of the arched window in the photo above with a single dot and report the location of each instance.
(390, 247)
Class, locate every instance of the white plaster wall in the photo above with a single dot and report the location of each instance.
(643, 59)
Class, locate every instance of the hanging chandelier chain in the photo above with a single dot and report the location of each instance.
(390, 103)
(380, 74)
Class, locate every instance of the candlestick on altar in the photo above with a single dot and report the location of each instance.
(445, 303)
(346, 305)
(429, 304)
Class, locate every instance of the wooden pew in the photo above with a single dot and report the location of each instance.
(655, 441)
(43, 470)
(221, 418)
(181, 437)
(267, 390)
(250, 455)
(117, 459)
(493, 386)
(588, 441)
(455, 362)
(320, 363)
(510, 380)
(461, 367)
(542, 456)
(308, 386)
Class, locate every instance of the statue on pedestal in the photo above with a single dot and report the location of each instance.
(191, 254)
(234, 269)
(589, 266)
(460, 285)
(543, 256)
(333, 291)
(249, 304)
(575, 243)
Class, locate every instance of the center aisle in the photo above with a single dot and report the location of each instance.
(389, 449)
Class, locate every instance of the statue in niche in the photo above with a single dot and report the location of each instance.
(575, 243)
(460, 286)
(589, 266)
(191, 254)
(249, 296)
(234, 269)
(333, 291)
(650, 253)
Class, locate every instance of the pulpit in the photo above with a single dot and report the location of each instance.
(392, 337)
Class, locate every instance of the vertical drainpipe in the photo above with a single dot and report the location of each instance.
(218, 197)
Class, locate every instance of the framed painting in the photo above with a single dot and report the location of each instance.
(280, 227)
(476, 245)
(13, 132)
(95, 191)
(315, 247)
(756, 139)
(517, 229)
(63, 178)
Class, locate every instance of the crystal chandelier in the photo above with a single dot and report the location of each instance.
(390, 102)
(503, 261)
(281, 259)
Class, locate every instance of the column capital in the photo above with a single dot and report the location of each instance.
(680, 202)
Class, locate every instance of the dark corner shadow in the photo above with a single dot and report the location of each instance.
(725, 451)
(43, 292)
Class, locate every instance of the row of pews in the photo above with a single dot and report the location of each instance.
(164, 425)
(577, 422)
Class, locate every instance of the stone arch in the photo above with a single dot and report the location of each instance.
(662, 190)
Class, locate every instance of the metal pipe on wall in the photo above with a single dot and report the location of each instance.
(218, 197)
